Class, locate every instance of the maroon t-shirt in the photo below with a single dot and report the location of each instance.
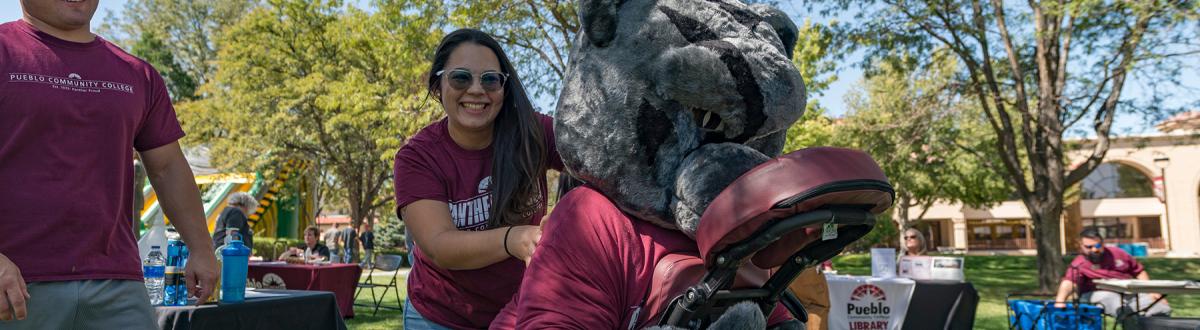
(431, 166)
(593, 268)
(70, 116)
(1114, 264)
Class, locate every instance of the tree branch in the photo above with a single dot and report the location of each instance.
(1104, 116)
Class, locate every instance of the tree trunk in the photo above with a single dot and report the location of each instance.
(1049, 254)
(357, 211)
(902, 219)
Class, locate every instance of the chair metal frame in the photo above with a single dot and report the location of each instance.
(700, 304)
(370, 284)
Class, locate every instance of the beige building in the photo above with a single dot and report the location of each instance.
(1122, 198)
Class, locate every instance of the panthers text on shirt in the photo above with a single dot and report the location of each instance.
(471, 214)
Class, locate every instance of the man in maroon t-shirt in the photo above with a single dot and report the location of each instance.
(1096, 261)
(73, 108)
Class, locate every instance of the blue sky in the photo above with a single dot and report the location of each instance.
(833, 99)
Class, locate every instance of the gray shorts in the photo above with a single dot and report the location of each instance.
(86, 304)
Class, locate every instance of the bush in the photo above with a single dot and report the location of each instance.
(389, 233)
(268, 249)
(885, 234)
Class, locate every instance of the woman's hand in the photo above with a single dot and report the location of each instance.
(522, 240)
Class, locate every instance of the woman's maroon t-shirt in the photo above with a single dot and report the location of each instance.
(431, 166)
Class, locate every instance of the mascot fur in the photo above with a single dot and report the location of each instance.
(666, 102)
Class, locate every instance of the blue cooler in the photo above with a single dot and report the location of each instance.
(1140, 249)
(1041, 314)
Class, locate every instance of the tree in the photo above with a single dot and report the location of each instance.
(319, 82)
(817, 65)
(1035, 71)
(538, 34)
(150, 47)
(182, 30)
(923, 134)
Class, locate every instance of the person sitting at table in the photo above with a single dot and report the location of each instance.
(914, 243)
(1096, 261)
(314, 251)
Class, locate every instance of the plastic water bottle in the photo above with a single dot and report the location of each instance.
(235, 261)
(153, 270)
(174, 287)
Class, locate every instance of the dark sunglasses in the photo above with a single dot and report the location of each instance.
(1096, 246)
(461, 79)
(910, 237)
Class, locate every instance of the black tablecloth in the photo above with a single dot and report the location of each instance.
(941, 305)
(292, 310)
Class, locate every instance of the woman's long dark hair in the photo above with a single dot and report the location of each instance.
(518, 146)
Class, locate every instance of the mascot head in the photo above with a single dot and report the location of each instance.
(668, 101)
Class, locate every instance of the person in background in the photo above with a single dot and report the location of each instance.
(349, 238)
(1096, 261)
(914, 243)
(73, 110)
(331, 237)
(236, 215)
(311, 248)
(474, 186)
(367, 238)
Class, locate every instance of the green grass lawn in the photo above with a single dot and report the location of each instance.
(386, 319)
(995, 276)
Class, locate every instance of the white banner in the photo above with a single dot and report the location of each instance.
(868, 303)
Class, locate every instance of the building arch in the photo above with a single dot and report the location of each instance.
(1118, 178)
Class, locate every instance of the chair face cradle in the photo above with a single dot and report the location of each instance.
(776, 216)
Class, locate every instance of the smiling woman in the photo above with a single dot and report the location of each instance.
(471, 187)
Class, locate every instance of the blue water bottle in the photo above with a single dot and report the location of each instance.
(235, 260)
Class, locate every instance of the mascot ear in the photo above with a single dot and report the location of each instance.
(599, 20)
(784, 28)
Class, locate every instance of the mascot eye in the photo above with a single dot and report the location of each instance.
(461, 79)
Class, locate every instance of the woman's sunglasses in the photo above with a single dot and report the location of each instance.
(910, 237)
(461, 79)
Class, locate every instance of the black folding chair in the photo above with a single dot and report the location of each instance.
(384, 263)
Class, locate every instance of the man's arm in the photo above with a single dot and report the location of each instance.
(1065, 288)
(1146, 277)
(172, 179)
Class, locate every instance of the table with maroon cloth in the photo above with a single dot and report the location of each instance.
(340, 279)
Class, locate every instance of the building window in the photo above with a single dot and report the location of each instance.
(1149, 227)
(1115, 180)
(1109, 227)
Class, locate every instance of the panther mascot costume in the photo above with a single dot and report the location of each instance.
(665, 103)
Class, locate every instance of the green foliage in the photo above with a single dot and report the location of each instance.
(925, 135)
(817, 65)
(1036, 70)
(180, 29)
(321, 82)
(537, 35)
(389, 233)
(270, 247)
(150, 47)
(883, 235)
